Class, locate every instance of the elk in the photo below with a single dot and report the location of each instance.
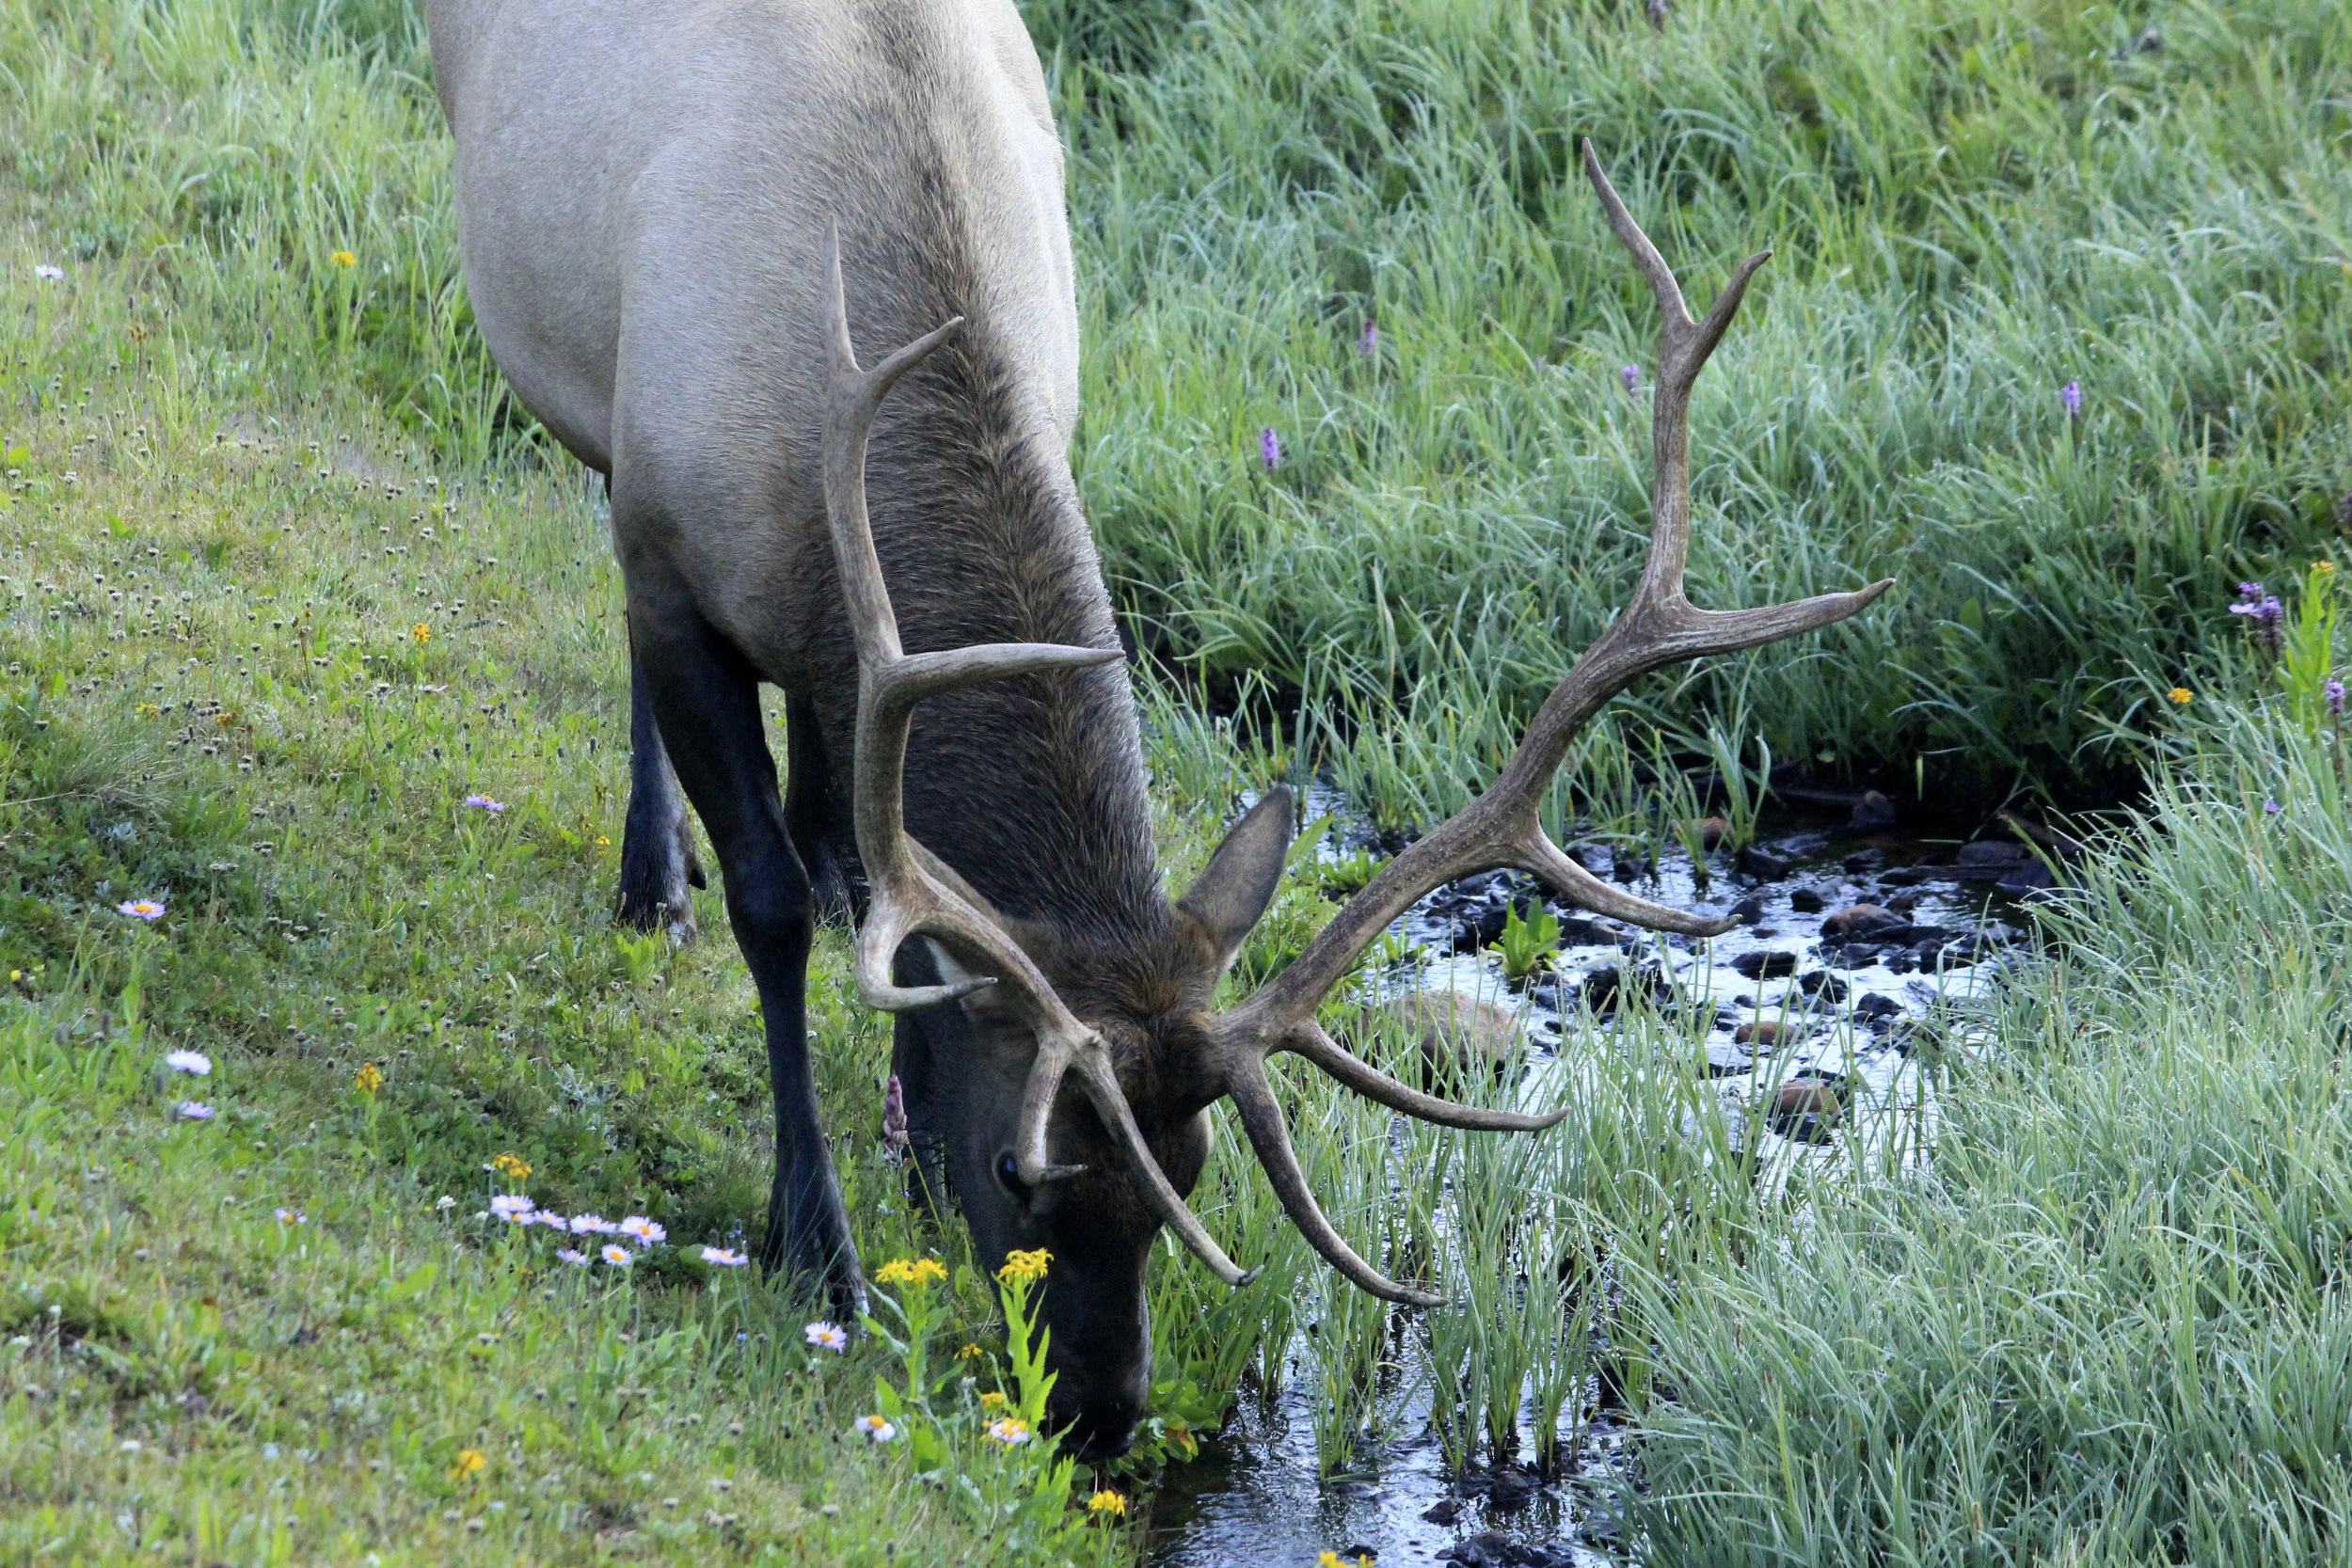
(676, 223)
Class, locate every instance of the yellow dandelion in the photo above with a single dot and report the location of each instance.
(369, 1079)
(344, 258)
(911, 1270)
(512, 1166)
(1022, 1268)
(1109, 1505)
(420, 633)
(470, 1463)
(2180, 695)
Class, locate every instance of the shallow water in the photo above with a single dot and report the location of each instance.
(1853, 1014)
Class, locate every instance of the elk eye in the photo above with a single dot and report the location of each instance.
(1008, 1176)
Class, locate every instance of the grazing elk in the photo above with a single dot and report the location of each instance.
(677, 221)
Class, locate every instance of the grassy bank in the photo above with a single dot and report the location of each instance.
(286, 585)
(2108, 1326)
(1971, 207)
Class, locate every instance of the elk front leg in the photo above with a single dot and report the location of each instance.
(706, 700)
(657, 862)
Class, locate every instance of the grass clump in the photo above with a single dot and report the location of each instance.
(2106, 1326)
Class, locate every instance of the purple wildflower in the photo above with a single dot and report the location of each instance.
(2072, 396)
(575, 1257)
(894, 1116)
(1270, 449)
(2263, 610)
(512, 1206)
(1369, 341)
(726, 1258)
(2333, 692)
(2272, 808)
(192, 1110)
(1631, 376)
(482, 802)
(47, 273)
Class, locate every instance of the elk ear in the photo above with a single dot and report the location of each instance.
(1242, 875)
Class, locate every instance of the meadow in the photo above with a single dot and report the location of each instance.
(289, 582)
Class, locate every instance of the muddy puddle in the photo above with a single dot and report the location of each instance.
(1813, 1039)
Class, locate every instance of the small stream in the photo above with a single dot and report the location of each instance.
(1837, 1078)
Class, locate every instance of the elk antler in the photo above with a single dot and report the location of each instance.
(912, 892)
(1500, 829)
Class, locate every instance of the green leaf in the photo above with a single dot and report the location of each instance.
(412, 1285)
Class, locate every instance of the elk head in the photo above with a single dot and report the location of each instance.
(1044, 1164)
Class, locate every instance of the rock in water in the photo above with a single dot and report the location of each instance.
(1511, 1488)
(1452, 1031)
(1764, 1031)
(1765, 964)
(1860, 920)
(1872, 811)
(1805, 1109)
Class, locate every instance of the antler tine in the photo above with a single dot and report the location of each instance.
(913, 893)
(1502, 827)
(1118, 1119)
(1269, 1135)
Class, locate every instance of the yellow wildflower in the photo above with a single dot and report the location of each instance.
(970, 1353)
(369, 1079)
(2180, 695)
(420, 633)
(1333, 1560)
(911, 1270)
(344, 258)
(992, 1401)
(470, 1463)
(1022, 1268)
(2325, 568)
(1108, 1504)
(149, 710)
(512, 1166)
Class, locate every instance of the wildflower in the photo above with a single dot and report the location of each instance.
(445, 1201)
(420, 633)
(344, 258)
(2325, 568)
(1631, 376)
(2180, 695)
(826, 1336)
(370, 1078)
(552, 1220)
(1010, 1431)
(2071, 397)
(726, 1258)
(1369, 341)
(2333, 692)
(512, 1206)
(291, 1216)
(875, 1429)
(572, 1256)
(2272, 808)
(616, 1255)
(1021, 1268)
(992, 1401)
(140, 908)
(42, 269)
(189, 1061)
(592, 1225)
(1333, 1560)
(512, 1166)
(470, 1463)
(1270, 449)
(482, 802)
(2262, 610)
(644, 1231)
(192, 1110)
(912, 1270)
(1109, 1505)
(970, 1353)
(894, 1115)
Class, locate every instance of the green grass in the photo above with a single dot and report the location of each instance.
(2101, 1325)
